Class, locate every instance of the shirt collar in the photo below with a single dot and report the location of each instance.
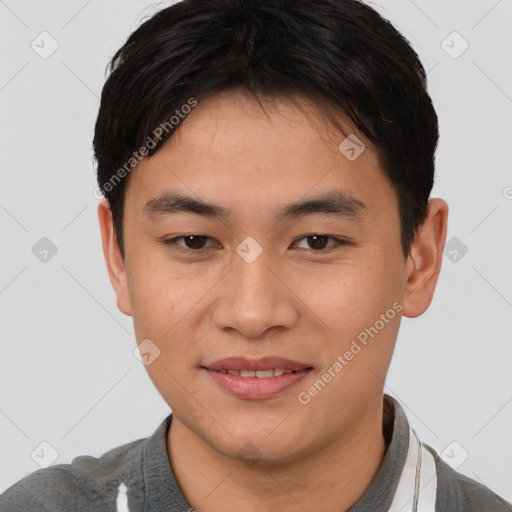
(379, 494)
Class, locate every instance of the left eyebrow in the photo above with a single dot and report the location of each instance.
(337, 203)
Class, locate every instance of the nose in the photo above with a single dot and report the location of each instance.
(256, 297)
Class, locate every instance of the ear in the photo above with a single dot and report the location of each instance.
(112, 252)
(424, 262)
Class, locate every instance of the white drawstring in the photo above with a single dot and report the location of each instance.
(122, 498)
(418, 482)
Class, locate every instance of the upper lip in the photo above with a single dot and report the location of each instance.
(264, 363)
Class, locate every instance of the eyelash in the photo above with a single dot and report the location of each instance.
(173, 242)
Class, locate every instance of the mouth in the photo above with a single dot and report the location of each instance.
(256, 379)
(260, 374)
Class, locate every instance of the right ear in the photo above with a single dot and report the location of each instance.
(113, 259)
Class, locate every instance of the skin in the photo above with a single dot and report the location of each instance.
(293, 301)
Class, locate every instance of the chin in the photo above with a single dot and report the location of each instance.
(256, 453)
(259, 445)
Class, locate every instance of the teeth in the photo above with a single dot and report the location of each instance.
(264, 373)
(273, 372)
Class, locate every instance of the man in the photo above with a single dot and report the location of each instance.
(267, 167)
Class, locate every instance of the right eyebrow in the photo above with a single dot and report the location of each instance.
(172, 203)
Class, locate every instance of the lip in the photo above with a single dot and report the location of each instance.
(263, 363)
(256, 388)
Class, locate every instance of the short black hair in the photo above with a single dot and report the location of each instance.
(342, 54)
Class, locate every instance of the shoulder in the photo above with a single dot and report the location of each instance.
(457, 492)
(89, 483)
(44, 490)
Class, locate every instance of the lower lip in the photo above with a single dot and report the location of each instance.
(254, 387)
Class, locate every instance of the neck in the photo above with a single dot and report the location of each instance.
(333, 478)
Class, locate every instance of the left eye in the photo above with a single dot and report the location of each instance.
(319, 241)
(196, 242)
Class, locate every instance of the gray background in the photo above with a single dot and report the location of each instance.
(68, 373)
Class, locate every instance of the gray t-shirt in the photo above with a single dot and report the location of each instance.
(138, 477)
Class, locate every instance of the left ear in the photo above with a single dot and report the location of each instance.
(424, 261)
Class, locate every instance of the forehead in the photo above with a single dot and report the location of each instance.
(230, 151)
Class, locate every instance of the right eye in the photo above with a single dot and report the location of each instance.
(193, 243)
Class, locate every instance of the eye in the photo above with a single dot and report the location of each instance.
(318, 242)
(192, 242)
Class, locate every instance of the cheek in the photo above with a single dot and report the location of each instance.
(165, 311)
(347, 303)
(345, 296)
(159, 304)
(157, 297)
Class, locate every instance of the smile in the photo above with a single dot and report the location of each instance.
(256, 384)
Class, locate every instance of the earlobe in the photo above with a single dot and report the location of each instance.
(424, 262)
(113, 259)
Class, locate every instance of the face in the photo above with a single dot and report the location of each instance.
(322, 285)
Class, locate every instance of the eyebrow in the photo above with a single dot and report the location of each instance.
(335, 203)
